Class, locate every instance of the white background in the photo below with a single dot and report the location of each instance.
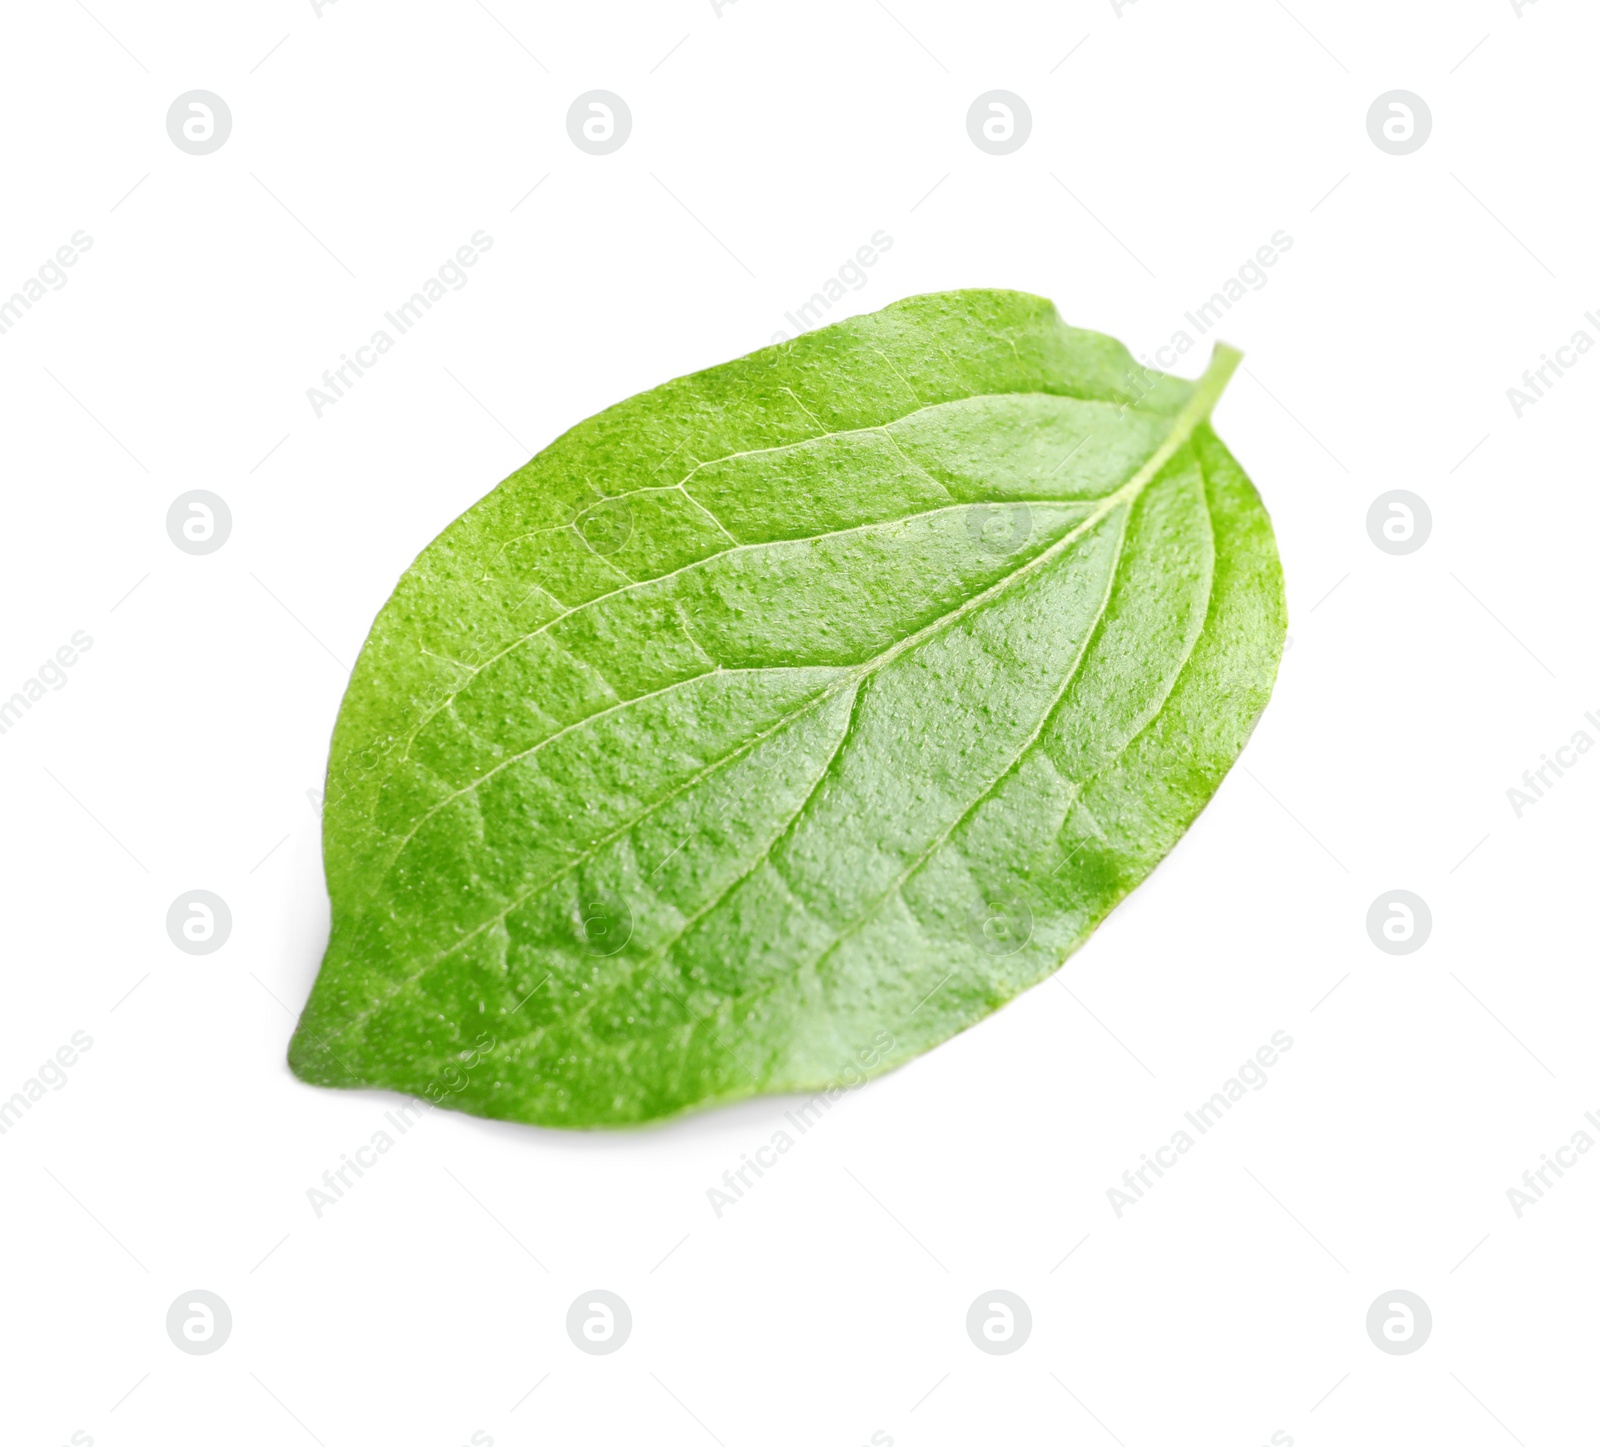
(1229, 1304)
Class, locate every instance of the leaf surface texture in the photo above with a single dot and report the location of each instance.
(776, 724)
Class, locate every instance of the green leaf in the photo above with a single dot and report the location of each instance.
(776, 724)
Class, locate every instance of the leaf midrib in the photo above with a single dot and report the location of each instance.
(625, 703)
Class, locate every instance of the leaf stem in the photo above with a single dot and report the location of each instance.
(1224, 361)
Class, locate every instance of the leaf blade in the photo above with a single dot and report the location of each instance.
(908, 633)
